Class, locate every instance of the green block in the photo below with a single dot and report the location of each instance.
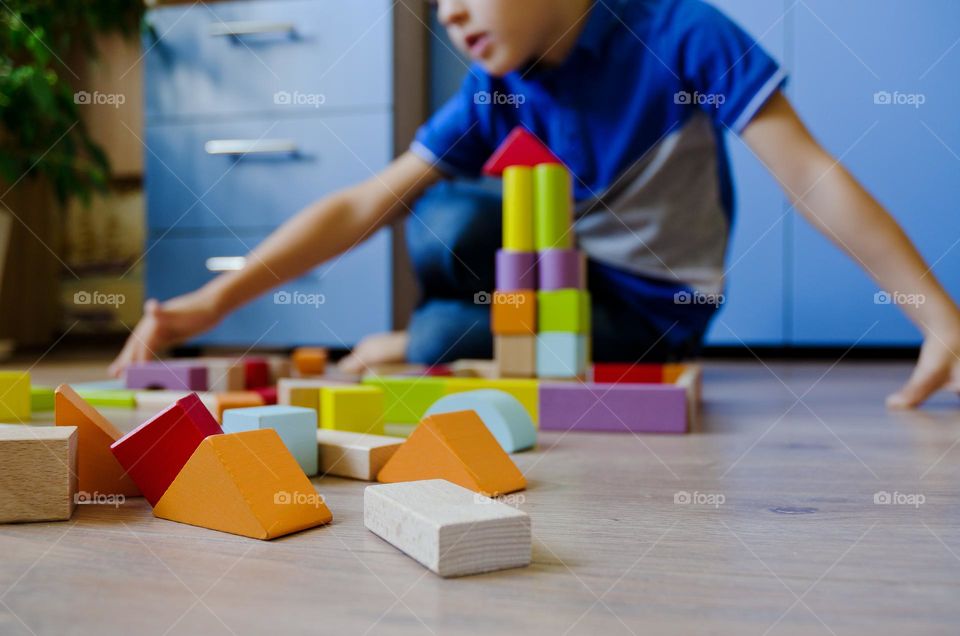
(553, 211)
(565, 310)
(407, 398)
(110, 399)
(41, 398)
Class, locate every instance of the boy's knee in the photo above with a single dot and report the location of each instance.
(446, 330)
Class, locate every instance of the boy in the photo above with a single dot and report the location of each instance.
(608, 86)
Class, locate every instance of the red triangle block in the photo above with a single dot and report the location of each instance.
(520, 148)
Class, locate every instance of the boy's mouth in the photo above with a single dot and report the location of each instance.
(478, 44)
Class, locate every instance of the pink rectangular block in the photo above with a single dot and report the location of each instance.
(613, 407)
(516, 270)
(560, 269)
(169, 376)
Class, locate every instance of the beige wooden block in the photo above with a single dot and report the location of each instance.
(691, 379)
(450, 530)
(224, 375)
(156, 401)
(38, 473)
(515, 356)
(354, 455)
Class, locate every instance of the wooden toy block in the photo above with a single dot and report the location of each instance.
(352, 408)
(306, 391)
(457, 447)
(516, 271)
(268, 394)
(515, 356)
(406, 399)
(673, 371)
(41, 399)
(256, 373)
(448, 529)
(501, 413)
(561, 355)
(561, 269)
(235, 400)
(38, 473)
(279, 367)
(167, 376)
(627, 373)
(296, 426)
(310, 360)
(638, 408)
(246, 484)
(514, 313)
(527, 391)
(154, 452)
(98, 471)
(122, 399)
(224, 375)
(564, 310)
(14, 396)
(156, 401)
(691, 381)
(553, 209)
(518, 210)
(354, 455)
(520, 148)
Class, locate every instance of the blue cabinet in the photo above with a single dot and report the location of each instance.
(876, 81)
(253, 110)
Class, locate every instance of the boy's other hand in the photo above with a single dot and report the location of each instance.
(938, 368)
(164, 325)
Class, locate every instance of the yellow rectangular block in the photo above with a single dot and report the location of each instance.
(14, 397)
(527, 391)
(359, 409)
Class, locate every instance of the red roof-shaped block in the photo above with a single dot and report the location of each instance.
(520, 148)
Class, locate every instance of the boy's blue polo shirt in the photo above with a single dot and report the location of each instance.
(637, 111)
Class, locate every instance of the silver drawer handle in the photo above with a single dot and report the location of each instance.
(251, 147)
(251, 27)
(226, 263)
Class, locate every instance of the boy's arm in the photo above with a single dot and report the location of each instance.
(319, 232)
(836, 204)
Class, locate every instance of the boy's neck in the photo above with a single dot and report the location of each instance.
(570, 19)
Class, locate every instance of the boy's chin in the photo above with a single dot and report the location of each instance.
(500, 65)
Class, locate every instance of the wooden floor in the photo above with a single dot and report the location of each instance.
(782, 535)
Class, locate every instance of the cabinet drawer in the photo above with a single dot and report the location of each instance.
(320, 308)
(290, 163)
(247, 57)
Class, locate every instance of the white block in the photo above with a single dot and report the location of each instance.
(295, 425)
(354, 455)
(447, 528)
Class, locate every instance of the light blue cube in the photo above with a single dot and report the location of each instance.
(561, 354)
(296, 426)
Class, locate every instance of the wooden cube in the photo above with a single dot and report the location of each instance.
(561, 355)
(236, 400)
(564, 310)
(38, 473)
(514, 313)
(352, 408)
(515, 356)
(296, 426)
(310, 360)
(354, 455)
(14, 396)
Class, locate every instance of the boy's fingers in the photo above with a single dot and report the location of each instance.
(922, 385)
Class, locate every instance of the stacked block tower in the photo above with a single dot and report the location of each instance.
(541, 308)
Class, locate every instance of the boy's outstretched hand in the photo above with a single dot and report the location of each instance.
(164, 325)
(938, 368)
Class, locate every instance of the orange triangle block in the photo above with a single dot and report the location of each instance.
(244, 483)
(520, 148)
(98, 471)
(457, 447)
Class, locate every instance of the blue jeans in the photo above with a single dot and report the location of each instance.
(452, 237)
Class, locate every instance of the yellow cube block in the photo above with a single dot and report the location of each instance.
(358, 409)
(14, 397)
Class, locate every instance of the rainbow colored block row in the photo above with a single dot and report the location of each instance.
(541, 309)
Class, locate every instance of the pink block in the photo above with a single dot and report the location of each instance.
(516, 270)
(618, 408)
(560, 269)
(170, 376)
